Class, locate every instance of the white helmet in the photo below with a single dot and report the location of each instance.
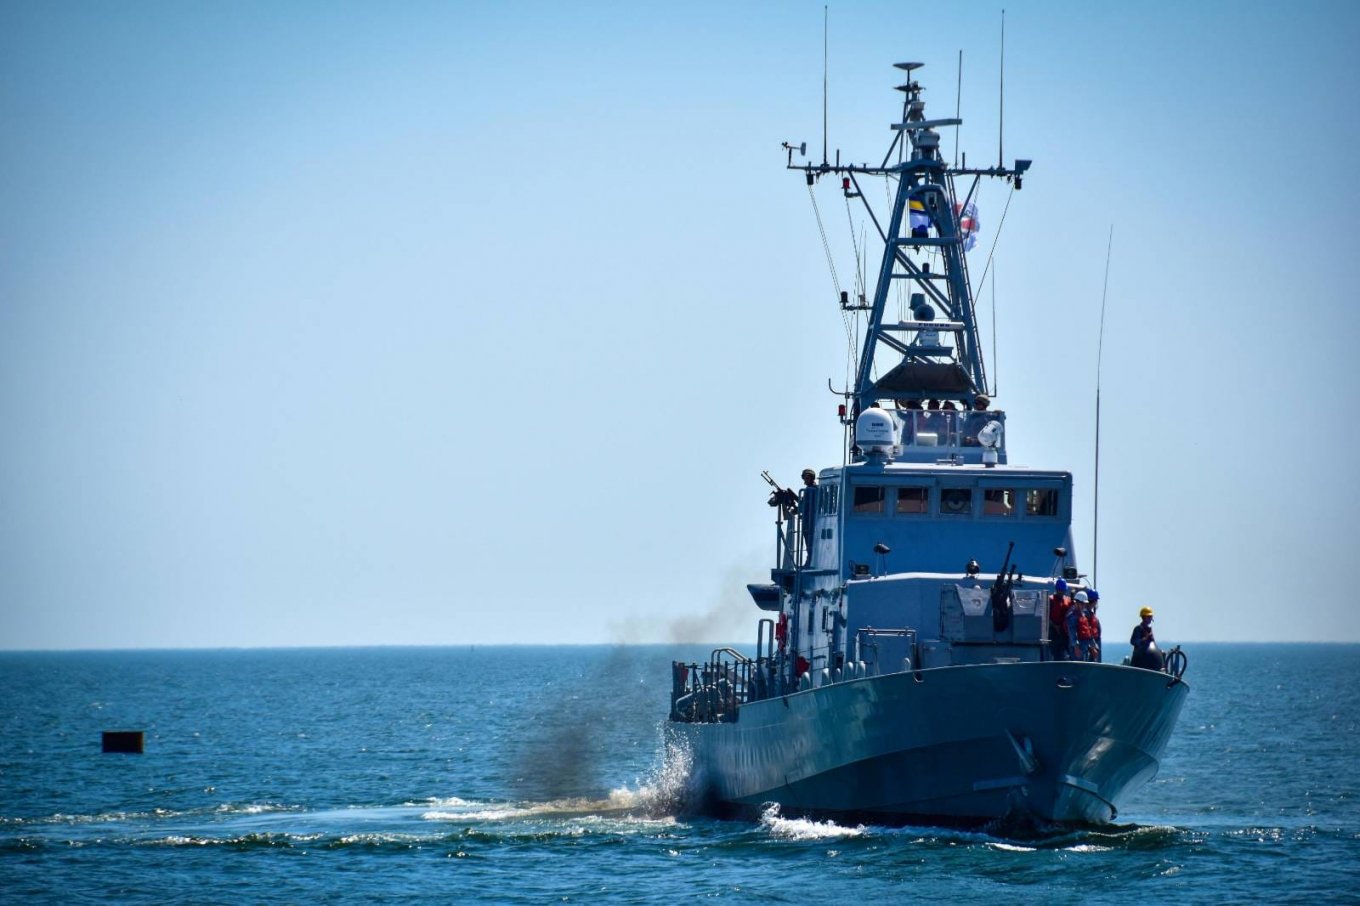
(1081, 597)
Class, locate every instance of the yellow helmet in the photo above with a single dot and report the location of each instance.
(1145, 612)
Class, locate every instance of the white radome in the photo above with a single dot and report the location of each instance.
(875, 432)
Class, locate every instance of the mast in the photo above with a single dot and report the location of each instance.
(935, 353)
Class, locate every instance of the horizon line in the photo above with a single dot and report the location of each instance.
(630, 644)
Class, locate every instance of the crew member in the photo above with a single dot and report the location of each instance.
(1086, 629)
(1078, 628)
(1145, 653)
(907, 413)
(1096, 637)
(808, 512)
(1057, 621)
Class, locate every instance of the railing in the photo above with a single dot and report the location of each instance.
(788, 540)
(713, 692)
(913, 659)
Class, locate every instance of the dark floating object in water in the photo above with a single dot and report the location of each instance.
(129, 742)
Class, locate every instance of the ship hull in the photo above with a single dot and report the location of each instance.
(1056, 741)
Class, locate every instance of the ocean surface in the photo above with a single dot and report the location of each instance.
(524, 774)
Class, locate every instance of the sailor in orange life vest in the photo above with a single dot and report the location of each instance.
(1058, 604)
(1079, 628)
(1096, 645)
(1088, 629)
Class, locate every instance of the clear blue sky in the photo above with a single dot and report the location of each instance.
(444, 323)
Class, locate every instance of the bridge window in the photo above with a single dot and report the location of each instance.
(869, 499)
(1041, 502)
(912, 501)
(973, 422)
(827, 498)
(998, 502)
(956, 501)
(935, 429)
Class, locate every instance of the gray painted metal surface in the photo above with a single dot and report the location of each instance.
(910, 673)
(1062, 741)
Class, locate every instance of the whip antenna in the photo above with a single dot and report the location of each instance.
(1001, 124)
(1100, 348)
(958, 108)
(1001, 114)
(826, 21)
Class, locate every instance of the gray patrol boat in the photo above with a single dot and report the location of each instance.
(907, 671)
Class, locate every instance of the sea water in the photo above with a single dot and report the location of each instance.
(529, 774)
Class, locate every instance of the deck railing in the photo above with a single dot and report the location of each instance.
(713, 691)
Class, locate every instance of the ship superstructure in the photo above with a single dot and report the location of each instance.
(906, 669)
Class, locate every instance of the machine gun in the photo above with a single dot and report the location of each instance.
(784, 498)
(1001, 592)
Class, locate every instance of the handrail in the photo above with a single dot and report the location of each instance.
(903, 633)
(736, 655)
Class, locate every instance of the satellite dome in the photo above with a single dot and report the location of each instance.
(875, 432)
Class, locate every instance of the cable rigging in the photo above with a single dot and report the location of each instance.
(831, 265)
(852, 361)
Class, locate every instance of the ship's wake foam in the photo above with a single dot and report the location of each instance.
(663, 794)
(804, 828)
(667, 791)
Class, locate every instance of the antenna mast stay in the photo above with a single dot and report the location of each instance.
(1100, 349)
